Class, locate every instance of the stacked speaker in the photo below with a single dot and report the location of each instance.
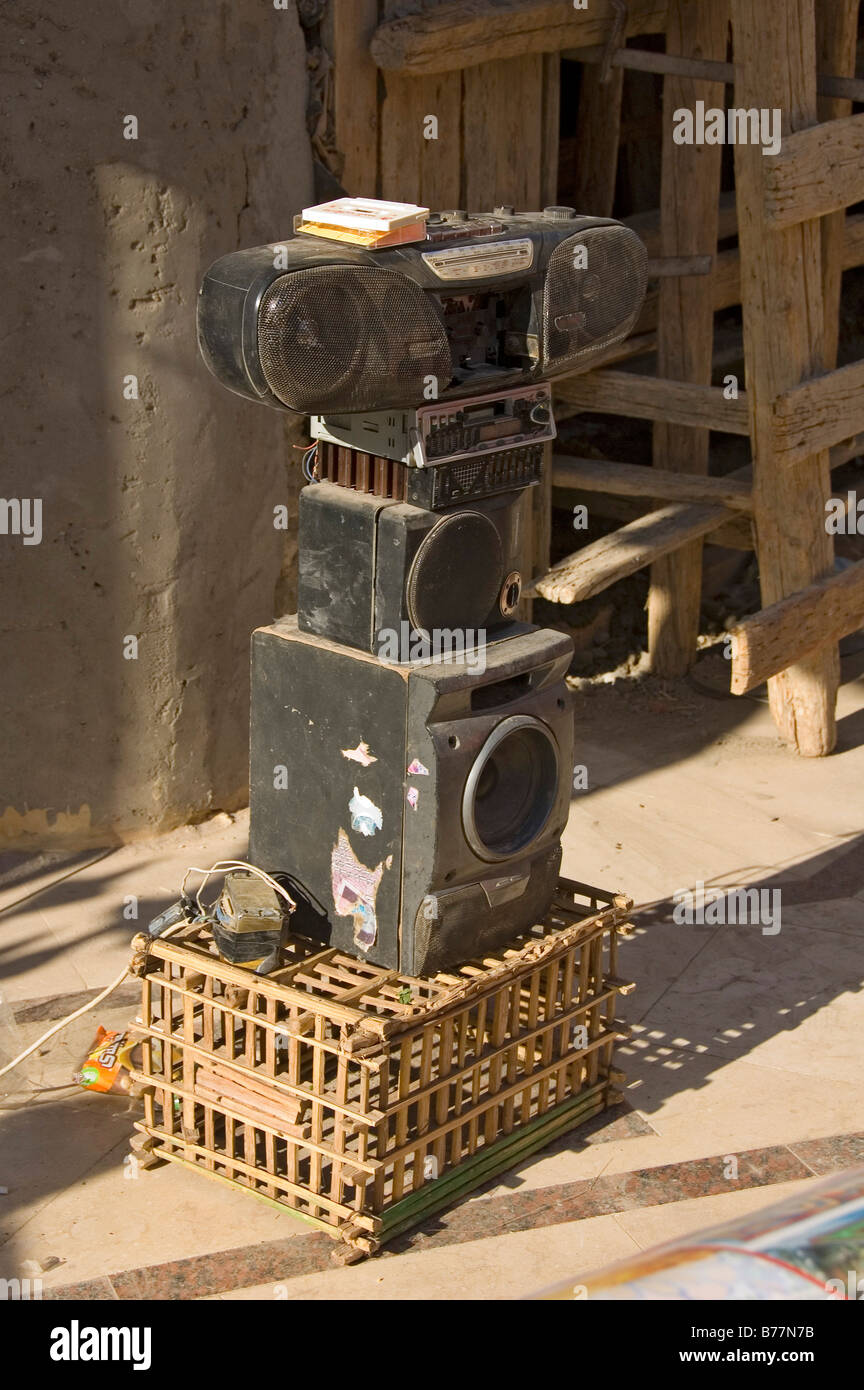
(411, 747)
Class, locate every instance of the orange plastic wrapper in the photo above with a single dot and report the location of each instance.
(107, 1064)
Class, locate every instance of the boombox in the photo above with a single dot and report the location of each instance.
(485, 303)
(369, 565)
(417, 817)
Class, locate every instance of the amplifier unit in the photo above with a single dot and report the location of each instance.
(483, 304)
(447, 431)
(433, 488)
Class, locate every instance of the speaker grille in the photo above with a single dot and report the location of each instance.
(349, 338)
(466, 545)
(591, 300)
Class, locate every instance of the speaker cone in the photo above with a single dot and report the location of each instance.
(511, 788)
(465, 545)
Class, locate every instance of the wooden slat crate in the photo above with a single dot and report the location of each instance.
(363, 1100)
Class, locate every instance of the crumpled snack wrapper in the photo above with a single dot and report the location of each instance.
(107, 1064)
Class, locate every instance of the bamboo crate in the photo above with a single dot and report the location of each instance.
(362, 1100)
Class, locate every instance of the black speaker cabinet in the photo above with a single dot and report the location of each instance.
(369, 565)
(417, 809)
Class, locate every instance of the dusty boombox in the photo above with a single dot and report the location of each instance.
(484, 304)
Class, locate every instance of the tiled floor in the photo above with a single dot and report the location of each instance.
(745, 1043)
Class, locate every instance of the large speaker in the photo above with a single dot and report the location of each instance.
(418, 814)
(368, 565)
(484, 303)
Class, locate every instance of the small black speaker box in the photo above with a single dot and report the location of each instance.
(417, 809)
(369, 565)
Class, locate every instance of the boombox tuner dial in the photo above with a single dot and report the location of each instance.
(559, 214)
(539, 413)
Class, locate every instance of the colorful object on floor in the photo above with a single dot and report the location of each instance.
(106, 1067)
(810, 1247)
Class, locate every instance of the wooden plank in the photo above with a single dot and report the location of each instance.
(503, 133)
(463, 35)
(654, 398)
(414, 168)
(735, 533)
(689, 200)
(597, 133)
(643, 60)
(817, 171)
(647, 224)
(817, 414)
(836, 40)
(637, 480)
(781, 282)
(349, 25)
(672, 64)
(627, 550)
(780, 635)
(550, 129)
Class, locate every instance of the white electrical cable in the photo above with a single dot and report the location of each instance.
(85, 1008)
(109, 989)
(222, 864)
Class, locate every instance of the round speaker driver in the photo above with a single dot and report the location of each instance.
(511, 788)
(456, 575)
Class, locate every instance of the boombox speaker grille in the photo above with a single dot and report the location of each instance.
(595, 284)
(352, 337)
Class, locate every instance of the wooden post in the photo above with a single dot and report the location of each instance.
(836, 37)
(690, 192)
(597, 132)
(781, 285)
(419, 160)
(349, 25)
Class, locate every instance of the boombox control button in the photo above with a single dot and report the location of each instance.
(559, 214)
(540, 413)
(506, 210)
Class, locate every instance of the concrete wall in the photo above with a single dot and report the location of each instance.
(157, 512)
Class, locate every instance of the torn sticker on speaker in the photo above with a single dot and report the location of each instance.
(416, 769)
(412, 796)
(355, 888)
(360, 754)
(366, 817)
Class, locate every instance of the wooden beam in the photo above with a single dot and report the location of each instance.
(502, 133)
(637, 480)
(836, 39)
(811, 417)
(736, 533)
(802, 624)
(817, 171)
(597, 134)
(689, 200)
(455, 36)
(781, 284)
(349, 25)
(647, 226)
(653, 398)
(665, 64)
(412, 168)
(642, 60)
(623, 552)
